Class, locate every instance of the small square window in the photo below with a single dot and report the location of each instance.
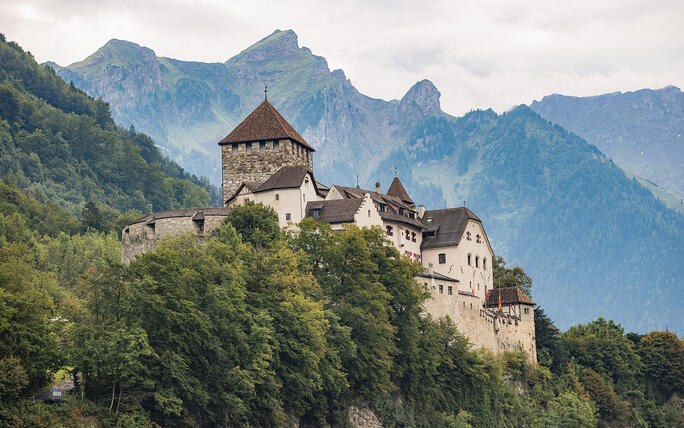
(442, 258)
(288, 216)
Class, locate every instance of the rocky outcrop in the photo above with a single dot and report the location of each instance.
(363, 417)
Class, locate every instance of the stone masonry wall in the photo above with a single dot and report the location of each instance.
(140, 237)
(260, 164)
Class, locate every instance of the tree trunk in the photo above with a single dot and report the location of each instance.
(119, 401)
(111, 403)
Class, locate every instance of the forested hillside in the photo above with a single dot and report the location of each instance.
(595, 241)
(61, 145)
(643, 131)
(256, 327)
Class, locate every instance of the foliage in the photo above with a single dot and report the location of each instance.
(510, 277)
(58, 144)
(264, 328)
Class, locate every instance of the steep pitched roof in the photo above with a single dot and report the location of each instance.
(285, 178)
(509, 296)
(391, 203)
(264, 123)
(448, 226)
(334, 211)
(397, 190)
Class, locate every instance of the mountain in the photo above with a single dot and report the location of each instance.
(643, 131)
(187, 107)
(62, 146)
(595, 241)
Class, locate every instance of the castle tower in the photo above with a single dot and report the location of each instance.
(259, 146)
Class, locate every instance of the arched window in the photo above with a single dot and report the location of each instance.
(469, 256)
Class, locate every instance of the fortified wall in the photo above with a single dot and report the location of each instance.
(144, 234)
(508, 329)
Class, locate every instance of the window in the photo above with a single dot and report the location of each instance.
(277, 197)
(315, 213)
(442, 258)
(288, 216)
(401, 211)
(527, 310)
(262, 146)
(408, 235)
(478, 239)
(368, 213)
(429, 219)
(468, 236)
(390, 232)
(412, 215)
(276, 145)
(469, 256)
(484, 263)
(235, 149)
(441, 289)
(413, 236)
(477, 261)
(450, 290)
(248, 148)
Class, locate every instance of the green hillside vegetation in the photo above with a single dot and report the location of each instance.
(62, 146)
(258, 327)
(595, 241)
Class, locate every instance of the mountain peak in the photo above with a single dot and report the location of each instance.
(425, 95)
(277, 44)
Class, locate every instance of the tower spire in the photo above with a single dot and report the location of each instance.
(265, 92)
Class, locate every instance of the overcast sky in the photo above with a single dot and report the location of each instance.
(479, 54)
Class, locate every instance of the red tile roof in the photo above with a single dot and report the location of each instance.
(264, 123)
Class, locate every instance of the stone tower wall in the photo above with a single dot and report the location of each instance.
(239, 165)
(140, 237)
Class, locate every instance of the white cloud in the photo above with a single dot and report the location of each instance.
(478, 53)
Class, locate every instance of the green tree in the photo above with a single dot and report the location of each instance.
(511, 277)
(662, 355)
(255, 223)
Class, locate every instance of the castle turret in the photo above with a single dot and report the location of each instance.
(259, 146)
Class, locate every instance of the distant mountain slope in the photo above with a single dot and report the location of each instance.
(187, 107)
(596, 242)
(643, 131)
(63, 147)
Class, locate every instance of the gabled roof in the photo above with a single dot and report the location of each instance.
(509, 296)
(286, 177)
(448, 226)
(397, 190)
(264, 123)
(390, 202)
(334, 211)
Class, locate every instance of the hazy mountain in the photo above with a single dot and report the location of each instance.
(595, 241)
(643, 131)
(187, 107)
(63, 147)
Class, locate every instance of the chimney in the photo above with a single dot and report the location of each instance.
(377, 187)
(421, 211)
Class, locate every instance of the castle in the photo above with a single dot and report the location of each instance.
(265, 160)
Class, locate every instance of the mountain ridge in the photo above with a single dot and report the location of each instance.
(506, 167)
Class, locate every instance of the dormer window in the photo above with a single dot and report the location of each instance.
(412, 215)
(429, 220)
(315, 213)
(401, 211)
